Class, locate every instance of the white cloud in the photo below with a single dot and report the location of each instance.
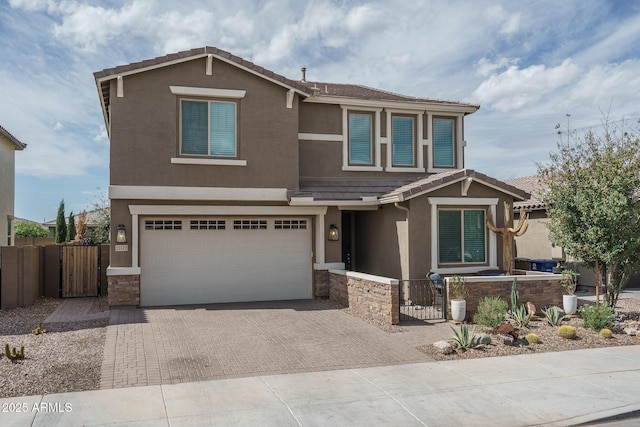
(516, 88)
(58, 126)
(509, 23)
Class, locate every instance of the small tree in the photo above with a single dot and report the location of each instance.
(61, 224)
(29, 229)
(81, 227)
(71, 229)
(101, 233)
(592, 201)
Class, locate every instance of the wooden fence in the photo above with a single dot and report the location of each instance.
(29, 272)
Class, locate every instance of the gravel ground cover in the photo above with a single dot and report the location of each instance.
(68, 357)
(549, 339)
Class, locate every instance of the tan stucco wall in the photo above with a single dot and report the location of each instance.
(7, 187)
(535, 243)
(145, 130)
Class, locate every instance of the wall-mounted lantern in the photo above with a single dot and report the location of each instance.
(334, 234)
(121, 234)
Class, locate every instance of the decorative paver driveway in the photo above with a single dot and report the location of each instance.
(182, 344)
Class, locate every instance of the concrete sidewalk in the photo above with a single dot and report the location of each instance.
(557, 389)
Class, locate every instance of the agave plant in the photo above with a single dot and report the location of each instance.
(465, 339)
(520, 316)
(552, 315)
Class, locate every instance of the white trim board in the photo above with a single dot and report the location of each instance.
(225, 210)
(142, 192)
(207, 162)
(209, 92)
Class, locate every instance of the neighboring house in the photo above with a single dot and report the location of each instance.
(92, 219)
(232, 183)
(9, 144)
(535, 243)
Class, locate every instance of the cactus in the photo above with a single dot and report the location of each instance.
(552, 316)
(533, 338)
(567, 331)
(515, 297)
(606, 333)
(39, 329)
(12, 353)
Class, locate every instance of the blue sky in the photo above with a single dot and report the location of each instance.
(528, 64)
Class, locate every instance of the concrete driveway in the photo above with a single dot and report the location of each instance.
(171, 345)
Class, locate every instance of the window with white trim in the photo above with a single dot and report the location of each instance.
(360, 139)
(208, 128)
(443, 142)
(403, 140)
(462, 236)
(290, 224)
(162, 224)
(249, 224)
(207, 224)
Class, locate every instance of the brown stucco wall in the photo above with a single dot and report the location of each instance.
(378, 246)
(333, 249)
(366, 297)
(542, 291)
(145, 130)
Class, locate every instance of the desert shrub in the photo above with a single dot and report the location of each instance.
(491, 312)
(596, 317)
(567, 331)
(533, 339)
(606, 333)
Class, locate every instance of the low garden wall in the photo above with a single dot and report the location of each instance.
(371, 298)
(542, 290)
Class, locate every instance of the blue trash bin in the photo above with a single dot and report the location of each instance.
(545, 265)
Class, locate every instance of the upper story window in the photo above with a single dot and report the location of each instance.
(443, 142)
(208, 128)
(403, 140)
(360, 139)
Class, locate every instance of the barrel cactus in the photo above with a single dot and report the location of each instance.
(567, 331)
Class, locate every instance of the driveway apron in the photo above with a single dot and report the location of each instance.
(168, 345)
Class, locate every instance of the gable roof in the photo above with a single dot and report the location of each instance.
(12, 139)
(443, 179)
(317, 91)
(348, 189)
(532, 185)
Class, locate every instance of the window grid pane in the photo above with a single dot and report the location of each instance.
(474, 236)
(360, 139)
(402, 135)
(449, 233)
(194, 127)
(223, 128)
(443, 142)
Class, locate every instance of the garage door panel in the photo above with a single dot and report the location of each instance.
(213, 265)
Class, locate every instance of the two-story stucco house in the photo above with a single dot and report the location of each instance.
(232, 183)
(9, 144)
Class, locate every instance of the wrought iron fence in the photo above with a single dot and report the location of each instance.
(421, 300)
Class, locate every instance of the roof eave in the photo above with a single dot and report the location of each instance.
(410, 105)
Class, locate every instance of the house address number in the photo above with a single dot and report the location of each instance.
(122, 248)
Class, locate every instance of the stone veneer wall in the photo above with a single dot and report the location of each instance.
(541, 290)
(320, 283)
(371, 298)
(124, 290)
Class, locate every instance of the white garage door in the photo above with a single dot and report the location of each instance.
(210, 260)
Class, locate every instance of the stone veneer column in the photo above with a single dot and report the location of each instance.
(124, 290)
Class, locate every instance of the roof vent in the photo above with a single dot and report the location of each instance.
(304, 75)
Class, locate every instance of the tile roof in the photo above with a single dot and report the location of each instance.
(352, 189)
(532, 185)
(321, 89)
(12, 139)
(306, 88)
(394, 190)
(435, 181)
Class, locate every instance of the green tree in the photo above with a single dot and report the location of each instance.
(29, 229)
(592, 186)
(61, 224)
(71, 230)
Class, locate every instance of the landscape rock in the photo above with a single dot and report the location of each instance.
(506, 339)
(531, 309)
(631, 331)
(443, 347)
(483, 339)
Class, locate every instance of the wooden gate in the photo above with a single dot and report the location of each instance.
(80, 273)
